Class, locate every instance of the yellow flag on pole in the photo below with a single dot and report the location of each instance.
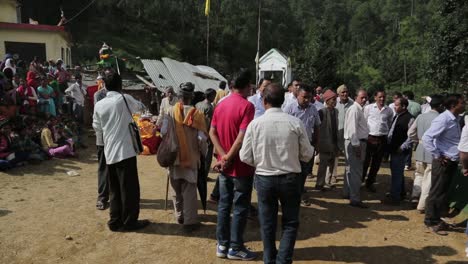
(207, 7)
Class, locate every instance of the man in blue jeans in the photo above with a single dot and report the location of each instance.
(399, 145)
(228, 125)
(302, 108)
(275, 144)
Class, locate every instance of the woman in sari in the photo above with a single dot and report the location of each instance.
(28, 98)
(32, 76)
(46, 98)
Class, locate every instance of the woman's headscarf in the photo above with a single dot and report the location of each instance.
(10, 65)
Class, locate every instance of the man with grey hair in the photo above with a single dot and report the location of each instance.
(356, 133)
(191, 133)
(166, 103)
(343, 103)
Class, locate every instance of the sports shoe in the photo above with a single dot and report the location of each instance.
(241, 254)
(221, 251)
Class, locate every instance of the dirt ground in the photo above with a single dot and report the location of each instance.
(40, 205)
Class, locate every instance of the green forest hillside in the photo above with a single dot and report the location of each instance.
(421, 45)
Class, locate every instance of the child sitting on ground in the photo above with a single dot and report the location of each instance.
(9, 156)
(24, 143)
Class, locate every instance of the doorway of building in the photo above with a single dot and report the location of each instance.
(26, 51)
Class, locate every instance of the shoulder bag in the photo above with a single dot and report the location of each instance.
(134, 131)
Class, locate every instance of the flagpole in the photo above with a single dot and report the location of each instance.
(257, 58)
(208, 40)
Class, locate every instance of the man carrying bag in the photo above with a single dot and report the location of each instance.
(112, 119)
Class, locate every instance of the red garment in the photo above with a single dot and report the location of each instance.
(91, 90)
(62, 75)
(31, 79)
(26, 91)
(231, 116)
(152, 143)
(4, 147)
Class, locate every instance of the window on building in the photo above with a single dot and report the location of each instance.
(70, 56)
(67, 58)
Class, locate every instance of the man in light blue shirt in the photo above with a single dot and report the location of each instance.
(304, 109)
(441, 140)
(257, 99)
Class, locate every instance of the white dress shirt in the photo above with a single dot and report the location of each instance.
(164, 108)
(392, 106)
(111, 119)
(463, 145)
(318, 105)
(355, 126)
(379, 121)
(77, 92)
(274, 143)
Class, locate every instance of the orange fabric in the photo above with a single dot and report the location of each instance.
(194, 119)
(147, 129)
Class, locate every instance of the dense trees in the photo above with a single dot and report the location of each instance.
(393, 44)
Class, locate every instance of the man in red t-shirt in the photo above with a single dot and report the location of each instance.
(230, 120)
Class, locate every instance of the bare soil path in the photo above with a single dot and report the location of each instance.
(40, 205)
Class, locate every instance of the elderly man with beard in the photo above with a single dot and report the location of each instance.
(166, 104)
(191, 133)
(328, 139)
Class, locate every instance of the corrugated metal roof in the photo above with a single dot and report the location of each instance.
(203, 77)
(159, 74)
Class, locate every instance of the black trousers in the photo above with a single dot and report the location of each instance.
(103, 176)
(374, 154)
(437, 202)
(124, 189)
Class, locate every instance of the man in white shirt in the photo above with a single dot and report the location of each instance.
(166, 103)
(275, 143)
(111, 119)
(356, 133)
(396, 96)
(379, 119)
(77, 92)
(291, 97)
(257, 98)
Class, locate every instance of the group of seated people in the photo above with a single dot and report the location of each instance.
(26, 139)
(35, 124)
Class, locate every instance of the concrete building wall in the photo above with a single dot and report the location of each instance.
(54, 42)
(8, 11)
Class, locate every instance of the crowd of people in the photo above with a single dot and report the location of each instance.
(41, 112)
(263, 137)
(267, 139)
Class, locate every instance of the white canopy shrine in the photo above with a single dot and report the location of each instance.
(275, 61)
